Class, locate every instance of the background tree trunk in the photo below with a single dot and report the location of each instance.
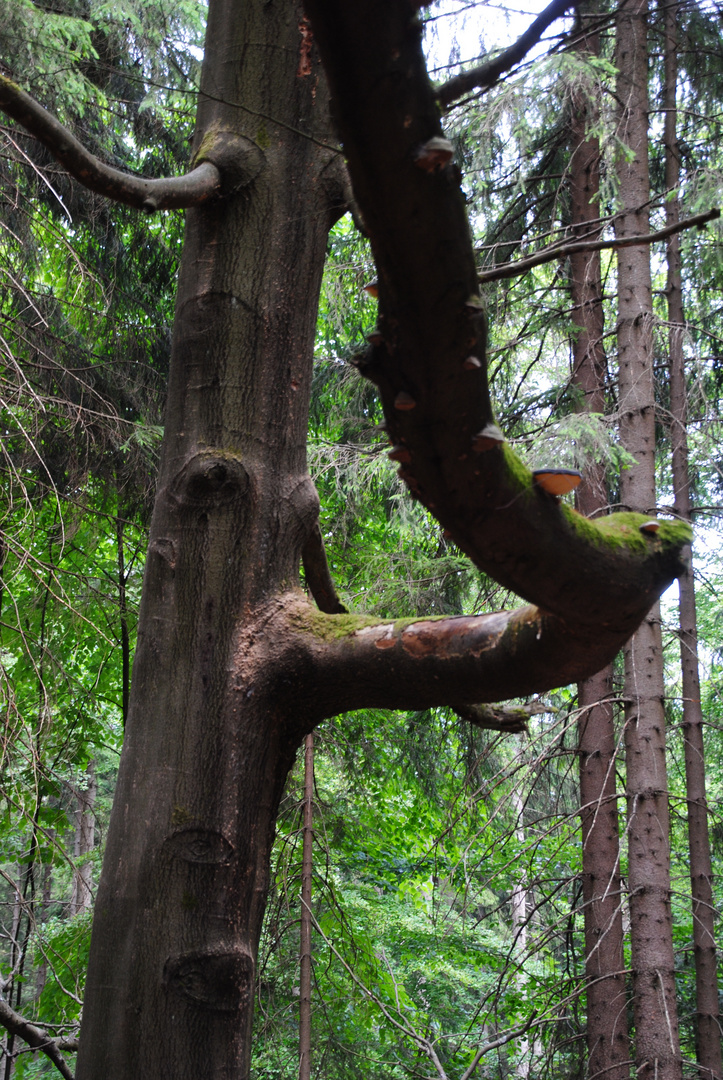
(305, 933)
(708, 1036)
(654, 1005)
(607, 1028)
(82, 896)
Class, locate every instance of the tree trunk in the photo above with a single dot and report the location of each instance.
(606, 1028)
(654, 1002)
(233, 666)
(708, 1036)
(82, 894)
(305, 933)
(208, 742)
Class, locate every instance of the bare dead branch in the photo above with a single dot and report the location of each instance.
(496, 718)
(576, 247)
(36, 1038)
(486, 75)
(224, 163)
(318, 576)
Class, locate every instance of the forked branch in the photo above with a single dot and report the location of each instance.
(223, 164)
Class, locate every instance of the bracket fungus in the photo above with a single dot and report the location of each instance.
(650, 527)
(557, 481)
(472, 363)
(400, 453)
(372, 288)
(404, 401)
(434, 154)
(486, 439)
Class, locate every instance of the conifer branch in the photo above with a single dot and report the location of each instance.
(486, 75)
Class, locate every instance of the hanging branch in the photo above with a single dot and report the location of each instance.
(486, 75)
(562, 250)
(317, 574)
(223, 163)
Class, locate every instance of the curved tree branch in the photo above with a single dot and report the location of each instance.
(317, 574)
(576, 247)
(486, 75)
(223, 164)
(36, 1038)
(428, 353)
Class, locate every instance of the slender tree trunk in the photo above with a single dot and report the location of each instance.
(518, 903)
(607, 1028)
(654, 1001)
(82, 895)
(123, 611)
(708, 1036)
(305, 934)
(41, 974)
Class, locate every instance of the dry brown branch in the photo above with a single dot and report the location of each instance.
(575, 247)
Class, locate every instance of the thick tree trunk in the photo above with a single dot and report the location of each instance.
(708, 1035)
(607, 1027)
(208, 744)
(654, 1002)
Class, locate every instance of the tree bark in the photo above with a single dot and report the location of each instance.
(305, 932)
(708, 1035)
(654, 1002)
(606, 1027)
(209, 741)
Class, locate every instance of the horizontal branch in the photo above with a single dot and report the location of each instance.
(36, 1038)
(576, 247)
(486, 75)
(224, 163)
(354, 661)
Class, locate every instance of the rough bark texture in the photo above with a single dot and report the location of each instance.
(708, 1035)
(430, 323)
(208, 740)
(654, 1004)
(607, 1027)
